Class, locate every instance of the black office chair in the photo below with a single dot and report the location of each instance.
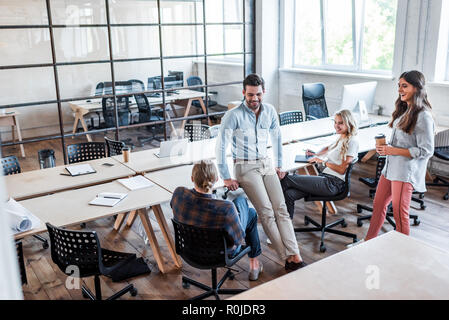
(214, 130)
(323, 227)
(46, 158)
(23, 273)
(206, 248)
(146, 115)
(196, 132)
(196, 81)
(113, 147)
(372, 183)
(289, 117)
(109, 112)
(81, 249)
(443, 154)
(11, 165)
(314, 102)
(86, 151)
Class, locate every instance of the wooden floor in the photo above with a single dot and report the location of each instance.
(46, 281)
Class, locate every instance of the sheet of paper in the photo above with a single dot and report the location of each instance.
(80, 169)
(135, 183)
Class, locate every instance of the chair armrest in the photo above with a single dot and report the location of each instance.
(309, 117)
(213, 92)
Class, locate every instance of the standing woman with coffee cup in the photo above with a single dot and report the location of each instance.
(409, 149)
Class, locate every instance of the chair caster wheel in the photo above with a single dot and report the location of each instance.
(423, 207)
(359, 223)
(83, 225)
(416, 222)
(306, 222)
(85, 296)
(359, 209)
(322, 248)
(344, 224)
(446, 197)
(133, 292)
(45, 245)
(185, 285)
(355, 240)
(231, 276)
(421, 195)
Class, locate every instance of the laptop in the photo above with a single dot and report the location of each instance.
(172, 148)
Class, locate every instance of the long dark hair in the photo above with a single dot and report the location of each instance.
(419, 103)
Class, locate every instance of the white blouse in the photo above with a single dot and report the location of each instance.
(334, 156)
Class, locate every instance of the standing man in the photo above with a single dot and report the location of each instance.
(248, 127)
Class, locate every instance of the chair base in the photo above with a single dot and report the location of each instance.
(89, 295)
(323, 228)
(215, 290)
(440, 182)
(44, 241)
(389, 216)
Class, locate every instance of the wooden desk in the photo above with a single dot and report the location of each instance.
(40, 182)
(71, 207)
(9, 118)
(406, 268)
(184, 98)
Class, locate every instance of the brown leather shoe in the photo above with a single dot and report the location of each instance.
(292, 266)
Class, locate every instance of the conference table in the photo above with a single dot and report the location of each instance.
(391, 266)
(72, 207)
(41, 182)
(182, 97)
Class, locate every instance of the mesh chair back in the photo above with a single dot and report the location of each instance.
(19, 250)
(99, 89)
(74, 248)
(289, 117)
(10, 165)
(85, 151)
(196, 132)
(113, 147)
(202, 248)
(144, 108)
(109, 112)
(214, 130)
(195, 81)
(314, 102)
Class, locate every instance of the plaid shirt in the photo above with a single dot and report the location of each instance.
(203, 210)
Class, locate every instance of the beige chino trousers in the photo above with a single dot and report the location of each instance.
(263, 188)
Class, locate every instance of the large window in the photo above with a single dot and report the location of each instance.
(58, 55)
(352, 35)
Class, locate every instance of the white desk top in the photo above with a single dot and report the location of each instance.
(39, 182)
(72, 207)
(406, 268)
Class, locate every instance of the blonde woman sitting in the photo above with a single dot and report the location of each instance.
(339, 156)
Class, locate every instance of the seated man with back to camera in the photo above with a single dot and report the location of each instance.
(198, 207)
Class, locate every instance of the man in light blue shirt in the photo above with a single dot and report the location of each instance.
(248, 127)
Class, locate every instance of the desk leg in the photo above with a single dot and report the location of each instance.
(368, 156)
(132, 216)
(19, 136)
(152, 239)
(119, 221)
(209, 122)
(166, 233)
(167, 115)
(186, 113)
(75, 123)
(83, 123)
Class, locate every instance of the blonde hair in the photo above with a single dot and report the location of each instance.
(204, 174)
(349, 121)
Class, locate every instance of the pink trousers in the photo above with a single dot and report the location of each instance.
(401, 194)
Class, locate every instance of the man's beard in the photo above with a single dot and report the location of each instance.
(250, 105)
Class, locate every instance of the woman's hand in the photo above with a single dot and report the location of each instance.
(384, 150)
(310, 153)
(316, 160)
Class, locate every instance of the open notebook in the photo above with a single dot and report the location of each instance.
(108, 199)
(80, 169)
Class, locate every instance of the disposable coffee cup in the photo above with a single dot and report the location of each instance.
(380, 139)
(125, 152)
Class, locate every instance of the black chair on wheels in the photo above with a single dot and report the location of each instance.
(81, 249)
(443, 154)
(372, 183)
(289, 117)
(323, 227)
(11, 165)
(313, 100)
(113, 147)
(86, 151)
(206, 248)
(146, 115)
(196, 81)
(196, 132)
